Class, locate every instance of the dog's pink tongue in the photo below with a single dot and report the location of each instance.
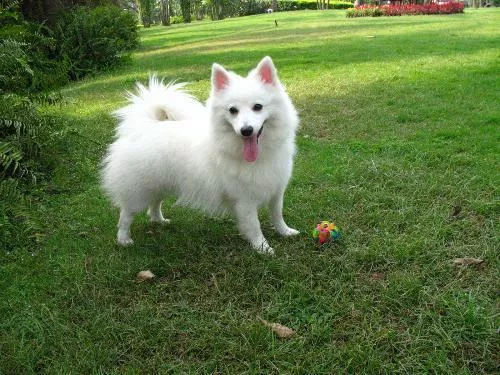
(250, 149)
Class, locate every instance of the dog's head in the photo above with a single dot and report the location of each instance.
(248, 105)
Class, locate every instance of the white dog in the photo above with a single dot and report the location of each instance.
(233, 155)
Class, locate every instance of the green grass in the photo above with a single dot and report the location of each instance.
(400, 125)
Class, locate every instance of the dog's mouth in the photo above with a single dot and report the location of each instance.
(251, 146)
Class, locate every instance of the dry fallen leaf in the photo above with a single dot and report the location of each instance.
(145, 276)
(376, 276)
(467, 261)
(280, 330)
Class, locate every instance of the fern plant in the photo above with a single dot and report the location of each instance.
(22, 135)
(20, 140)
(15, 72)
(19, 226)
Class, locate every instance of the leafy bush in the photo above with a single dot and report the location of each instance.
(25, 138)
(365, 11)
(50, 70)
(219, 9)
(27, 143)
(19, 137)
(341, 5)
(27, 60)
(248, 7)
(176, 19)
(29, 49)
(33, 59)
(284, 5)
(406, 9)
(82, 40)
(15, 71)
(92, 39)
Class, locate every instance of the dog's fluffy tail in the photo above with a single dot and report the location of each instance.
(157, 102)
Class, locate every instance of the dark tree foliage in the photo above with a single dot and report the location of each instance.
(48, 10)
(186, 10)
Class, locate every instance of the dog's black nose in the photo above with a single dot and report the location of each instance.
(246, 131)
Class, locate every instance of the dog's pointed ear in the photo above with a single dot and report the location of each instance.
(266, 71)
(220, 77)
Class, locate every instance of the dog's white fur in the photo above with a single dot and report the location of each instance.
(169, 143)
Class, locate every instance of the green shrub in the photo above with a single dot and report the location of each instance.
(352, 13)
(176, 19)
(27, 141)
(364, 11)
(25, 137)
(33, 59)
(81, 40)
(341, 5)
(28, 60)
(285, 5)
(248, 7)
(92, 39)
(50, 69)
(15, 71)
(23, 133)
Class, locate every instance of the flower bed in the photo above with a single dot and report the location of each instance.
(406, 9)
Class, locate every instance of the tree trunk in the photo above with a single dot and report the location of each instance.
(274, 5)
(198, 10)
(186, 10)
(165, 12)
(145, 11)
(216, 10)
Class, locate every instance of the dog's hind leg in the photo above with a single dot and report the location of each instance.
(126, 219)
(276, 209)
(154, 212)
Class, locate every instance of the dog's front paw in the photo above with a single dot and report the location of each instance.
(266, 251)
(264, 248)
(124, 239)
(161, 221)
(288, 232)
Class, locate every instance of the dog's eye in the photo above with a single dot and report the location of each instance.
(257, 107)
(233, 110)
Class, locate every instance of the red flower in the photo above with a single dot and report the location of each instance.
(411, 9)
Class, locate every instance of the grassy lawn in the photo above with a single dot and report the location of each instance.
(399, 143)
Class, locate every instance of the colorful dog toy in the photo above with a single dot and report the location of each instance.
(326, 231)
